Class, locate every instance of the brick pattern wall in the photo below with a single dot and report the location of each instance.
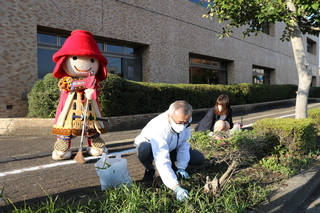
(168, 31)
(18, 55)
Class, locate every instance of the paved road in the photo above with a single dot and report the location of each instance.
(29, 174)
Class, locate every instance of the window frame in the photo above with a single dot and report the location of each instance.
(311, 46)
(60, 35)
(221, 68)
(266, 74)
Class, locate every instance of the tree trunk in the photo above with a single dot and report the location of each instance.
(303, 68)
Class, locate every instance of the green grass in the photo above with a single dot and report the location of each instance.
(138, 198)
(252, 183)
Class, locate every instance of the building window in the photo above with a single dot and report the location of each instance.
(311, 46)
(260, 75)
(264, 27)
(207, 71)
(314, 81)
(48, 44)
(123, 60)
(201, 2)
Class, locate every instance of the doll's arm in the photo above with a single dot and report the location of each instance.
(65, 83)
(70, 84)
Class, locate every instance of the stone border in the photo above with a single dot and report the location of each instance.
(43, 126)
(293, 192)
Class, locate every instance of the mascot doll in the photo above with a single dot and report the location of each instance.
(80, 66)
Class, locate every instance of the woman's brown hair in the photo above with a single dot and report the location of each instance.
(222, 100)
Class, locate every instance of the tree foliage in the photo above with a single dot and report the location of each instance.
(254, 13)
(299, 16)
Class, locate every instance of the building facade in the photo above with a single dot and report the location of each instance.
(153, 41)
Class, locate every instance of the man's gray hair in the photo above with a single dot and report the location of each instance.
(184, 106)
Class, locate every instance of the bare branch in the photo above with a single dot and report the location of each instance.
(311, 27)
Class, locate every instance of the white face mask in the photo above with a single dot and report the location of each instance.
(178, 128)
(219, 108)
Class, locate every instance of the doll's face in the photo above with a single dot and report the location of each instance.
(80, 66)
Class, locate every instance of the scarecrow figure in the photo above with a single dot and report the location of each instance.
(80, 66)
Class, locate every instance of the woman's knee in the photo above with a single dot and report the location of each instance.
(219, 125)
(226, 125)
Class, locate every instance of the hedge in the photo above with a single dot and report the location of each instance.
(296, 135)
(125, 97)
(315, 115)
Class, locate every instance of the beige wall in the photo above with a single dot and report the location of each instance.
(169, 29)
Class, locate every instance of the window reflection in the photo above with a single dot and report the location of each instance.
(201, 2)
(196, 60)
(204, 76)
(260, 76)
(62, 40)
(100, 45)
(207, 71)
(114, 66)
(129, 50)
(114, 48)
(46, 38)
(206, 61)
(45, 63)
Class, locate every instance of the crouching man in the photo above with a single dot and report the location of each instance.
(164, 141)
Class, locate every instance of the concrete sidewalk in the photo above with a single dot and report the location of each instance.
(81, 181)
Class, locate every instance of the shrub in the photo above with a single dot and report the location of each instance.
(243, 146)
(270, 92)
(125, 97)
(43, 98)
(314, 92)
(296, 135)
(314, 114)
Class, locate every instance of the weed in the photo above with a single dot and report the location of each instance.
(255, 179)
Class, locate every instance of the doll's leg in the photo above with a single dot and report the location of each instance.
(96, 146)
(61, 149)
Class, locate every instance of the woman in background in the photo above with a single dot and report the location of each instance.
(218, 118)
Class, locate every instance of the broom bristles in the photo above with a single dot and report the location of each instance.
(79, 157)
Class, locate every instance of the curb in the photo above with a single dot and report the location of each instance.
(294, 191)
(43, 126)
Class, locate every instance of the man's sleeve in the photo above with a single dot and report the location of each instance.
(162, 160)
(183, 155)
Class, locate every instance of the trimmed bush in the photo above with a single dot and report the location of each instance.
(125, 97)
(296, 135)
(244, 146)
(314, 114)
(314, 92)
(43, 98)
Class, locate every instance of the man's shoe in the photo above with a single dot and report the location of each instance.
(149, 175)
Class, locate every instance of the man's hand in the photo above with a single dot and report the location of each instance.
(182, 173)
(182, 194)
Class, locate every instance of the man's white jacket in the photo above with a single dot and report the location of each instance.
(163, 140)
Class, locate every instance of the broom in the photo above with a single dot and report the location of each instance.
(79, 156)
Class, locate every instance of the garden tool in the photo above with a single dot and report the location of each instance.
(79, 157)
